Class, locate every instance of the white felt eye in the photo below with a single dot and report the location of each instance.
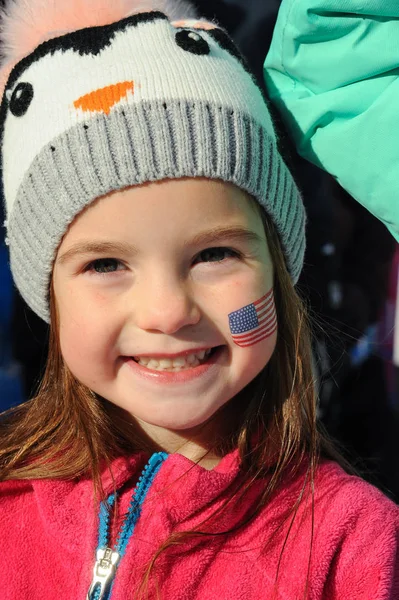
(194, 36)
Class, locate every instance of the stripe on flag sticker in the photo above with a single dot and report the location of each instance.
(254, 322)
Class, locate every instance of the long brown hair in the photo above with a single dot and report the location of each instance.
(66, 431)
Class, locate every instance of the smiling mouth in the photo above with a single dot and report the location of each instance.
(177, 363)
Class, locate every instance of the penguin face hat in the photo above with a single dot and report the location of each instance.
(112, 106)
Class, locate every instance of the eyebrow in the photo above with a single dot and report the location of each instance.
(96, 247)
(226, 233)
(206, 237)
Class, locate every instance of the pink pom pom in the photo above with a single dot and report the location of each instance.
(27, 23)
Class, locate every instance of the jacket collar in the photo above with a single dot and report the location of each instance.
(181, 489)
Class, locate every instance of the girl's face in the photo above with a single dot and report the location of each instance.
(144, 281)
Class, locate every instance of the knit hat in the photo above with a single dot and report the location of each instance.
(138, 100)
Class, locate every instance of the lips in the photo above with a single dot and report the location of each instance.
(177, 375)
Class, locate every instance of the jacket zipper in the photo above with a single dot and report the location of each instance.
(107, 559)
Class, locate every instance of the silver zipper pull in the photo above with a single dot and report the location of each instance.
(103, 572)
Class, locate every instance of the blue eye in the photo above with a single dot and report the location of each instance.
(104, 265)
(216, 255)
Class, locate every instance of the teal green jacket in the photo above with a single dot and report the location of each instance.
(333, 72)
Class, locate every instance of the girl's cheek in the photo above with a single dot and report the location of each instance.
(74, 342)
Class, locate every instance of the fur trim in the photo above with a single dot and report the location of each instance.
(27, 23)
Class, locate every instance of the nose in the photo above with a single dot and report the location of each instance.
(102, 100)
(167, 307)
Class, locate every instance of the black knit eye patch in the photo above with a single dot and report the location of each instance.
(192, 42)
(21, 99)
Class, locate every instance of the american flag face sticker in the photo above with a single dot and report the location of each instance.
(254, 322)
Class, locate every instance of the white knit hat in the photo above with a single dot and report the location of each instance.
(142, 99)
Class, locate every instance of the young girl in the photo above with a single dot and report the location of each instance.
(172, 451)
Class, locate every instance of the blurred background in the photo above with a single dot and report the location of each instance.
(349, 282)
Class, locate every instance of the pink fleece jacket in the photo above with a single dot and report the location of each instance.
(48, 533)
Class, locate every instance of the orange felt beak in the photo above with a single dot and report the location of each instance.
(104, 99)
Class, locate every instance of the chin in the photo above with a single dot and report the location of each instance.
(177, 422)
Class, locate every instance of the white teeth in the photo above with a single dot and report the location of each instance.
(179, 361)
(144, 361)
(173, 364)
(152, 364)
(166, 363)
